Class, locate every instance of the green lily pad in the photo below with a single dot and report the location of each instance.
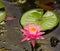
(2, 16)
(1, 5)
(47, 20)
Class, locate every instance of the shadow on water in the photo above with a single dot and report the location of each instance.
(2, 9)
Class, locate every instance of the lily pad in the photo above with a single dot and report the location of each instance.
(2, 16)
(47, 20)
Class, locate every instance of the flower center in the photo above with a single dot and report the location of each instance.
(33, 30)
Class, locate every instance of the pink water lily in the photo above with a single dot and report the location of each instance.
(32, 33)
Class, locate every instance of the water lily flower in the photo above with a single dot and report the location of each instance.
(32, 33)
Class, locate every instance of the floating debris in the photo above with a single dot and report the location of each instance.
(2, 23)
(54, 41)
(1, 33)
(2, 29)
(22, 1)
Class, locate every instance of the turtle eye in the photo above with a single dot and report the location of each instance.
(54, 41)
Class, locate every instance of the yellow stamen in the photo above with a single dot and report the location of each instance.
(32, 29)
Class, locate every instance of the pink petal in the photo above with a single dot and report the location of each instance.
(33, 42)
(22, 30)
(24, 39)
(40, 37)
(38, 27)
(40, 33)
(25, 32)
(27, 27)
(10, 18)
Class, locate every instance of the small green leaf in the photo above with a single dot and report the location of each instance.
(2, 16)
(1, 5)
